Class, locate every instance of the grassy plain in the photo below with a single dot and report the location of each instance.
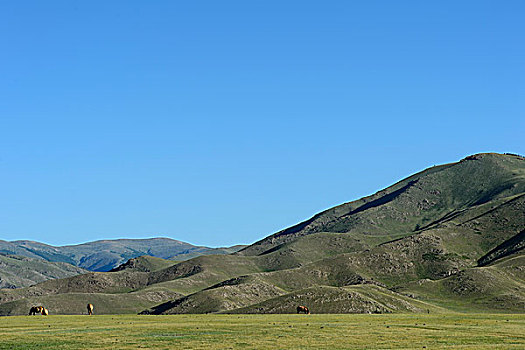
(385, 331)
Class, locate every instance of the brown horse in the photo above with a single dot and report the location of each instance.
(304, 309)
(45, 312)
(36, 310)
(90, 309)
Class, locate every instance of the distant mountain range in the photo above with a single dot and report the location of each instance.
(449, 238)
(42, 261)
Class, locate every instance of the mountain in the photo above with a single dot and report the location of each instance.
(417, 203)
(20, 271)
(107, 254)
(449, 238)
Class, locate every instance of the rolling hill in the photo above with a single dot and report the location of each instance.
(450, 237)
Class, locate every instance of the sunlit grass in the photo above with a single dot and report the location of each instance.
(393, 331)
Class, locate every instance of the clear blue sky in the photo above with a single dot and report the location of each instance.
(220, 122)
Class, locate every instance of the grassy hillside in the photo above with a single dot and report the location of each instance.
(18, 271)
(449, 238)
(75, 303)
(415, 202)
(433, 227)
(500, 287)
(144, 263)
(182, 278)
(368, 299)
(219, 298)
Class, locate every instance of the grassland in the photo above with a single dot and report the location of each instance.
(394, 331)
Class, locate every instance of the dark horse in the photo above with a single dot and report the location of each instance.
(303, 309)
(36, 310)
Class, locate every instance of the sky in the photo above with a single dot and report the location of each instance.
(221, 122)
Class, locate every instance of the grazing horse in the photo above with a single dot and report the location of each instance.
(36, 310)
(303, 309)
(90, 309)
(45, 312)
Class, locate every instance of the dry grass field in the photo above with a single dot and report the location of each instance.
(392, 331)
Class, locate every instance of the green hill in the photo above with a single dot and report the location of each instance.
(340, 300)
(449, 238)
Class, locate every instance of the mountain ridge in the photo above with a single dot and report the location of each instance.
(104, 255)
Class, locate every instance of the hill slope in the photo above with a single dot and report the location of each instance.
(437, 225)
(420, 201)
(19, 271)
(448, 238)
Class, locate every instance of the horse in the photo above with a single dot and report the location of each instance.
(304, 309)
(45, 312)
(90, 309)
(35, 310)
